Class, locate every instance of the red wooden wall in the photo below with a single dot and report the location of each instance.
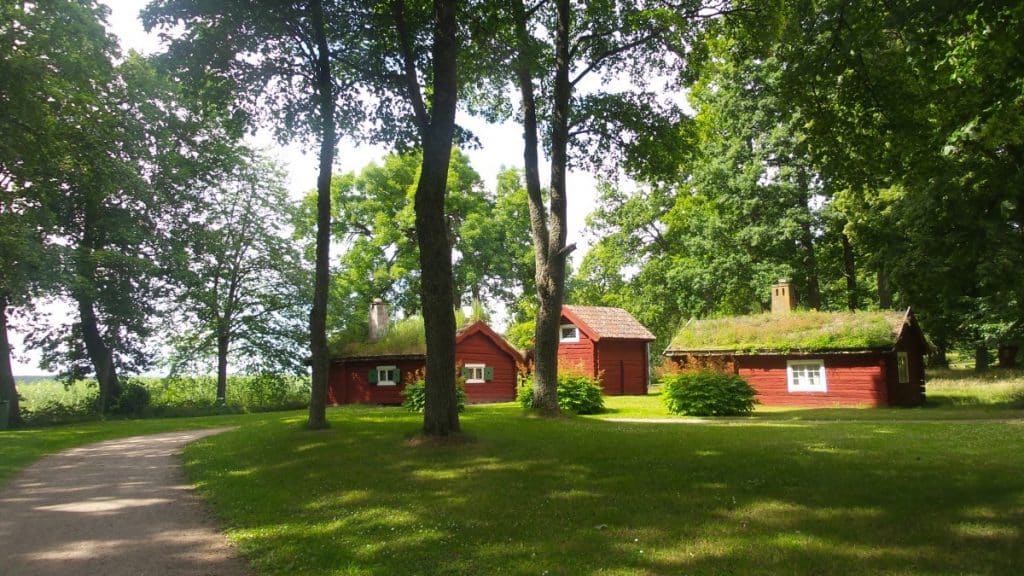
(578, 356)
(623, 364)
(479, 349)
(851, 379)
(348, 380)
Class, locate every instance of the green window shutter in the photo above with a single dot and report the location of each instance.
(398, 375)
(465, 373)
(488, 372)
(372, 376)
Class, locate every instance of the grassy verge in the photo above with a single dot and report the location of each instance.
(19, 448)
(586, 496)
(952, 395)
(651, 407)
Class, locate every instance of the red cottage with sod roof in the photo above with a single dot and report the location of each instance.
(606, 343)
(376, 372)
(811, 358)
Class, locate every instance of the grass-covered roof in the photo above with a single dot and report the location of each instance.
(404, 337)
(797, 331)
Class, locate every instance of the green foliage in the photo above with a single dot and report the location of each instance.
(238, 238)
(414, 395)
(50, 402)
(374, 218)
(521, 334)
(707, 393)
(577, 394)
(133, 400)
(799, 330)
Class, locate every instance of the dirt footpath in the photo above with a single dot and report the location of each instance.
(121, 507)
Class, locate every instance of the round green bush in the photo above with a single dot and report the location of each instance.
(414, 395)
(133, 400)
(707, 393)
(577, 394)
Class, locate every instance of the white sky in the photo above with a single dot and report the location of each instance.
(501, 146)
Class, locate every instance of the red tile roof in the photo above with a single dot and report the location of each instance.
(604, 322)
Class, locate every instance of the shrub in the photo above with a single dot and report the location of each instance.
(577, 394)
(134, 399)
(415, 394)
(707, 393)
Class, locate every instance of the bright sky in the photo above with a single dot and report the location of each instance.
(501, 146)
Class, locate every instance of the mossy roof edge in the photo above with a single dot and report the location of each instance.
(797, 332)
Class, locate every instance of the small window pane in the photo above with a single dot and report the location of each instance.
(806, 376)
(903, 367)
(475, 373)
(387, 375)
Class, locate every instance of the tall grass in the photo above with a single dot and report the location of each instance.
(47, 402)
(967, 387)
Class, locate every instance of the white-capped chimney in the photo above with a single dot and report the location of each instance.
(378, 320)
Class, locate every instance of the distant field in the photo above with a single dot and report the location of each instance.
(23, 380)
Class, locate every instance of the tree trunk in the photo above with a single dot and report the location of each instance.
(1008, 355)
(548, 227)
(850, 273)
(810, 265)
(8, 388)
(441, 409)
(937, 357)
(318, 314)
(982, 359)
(223, 344)
(101, 356)
(884, 292)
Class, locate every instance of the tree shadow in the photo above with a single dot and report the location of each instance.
(580, 496)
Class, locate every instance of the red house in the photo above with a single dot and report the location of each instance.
(606, 343)
(377, 372)
(811, 358)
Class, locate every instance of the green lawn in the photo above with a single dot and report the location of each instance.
(833, 491)
(936, 409)
(588, 496)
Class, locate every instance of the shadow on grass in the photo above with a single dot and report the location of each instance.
(578, 496)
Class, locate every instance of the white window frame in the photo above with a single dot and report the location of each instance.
(381, 370)
(795, 384)
(903, 368)
(575, 330)
(473, 368)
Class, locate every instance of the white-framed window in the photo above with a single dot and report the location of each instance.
(568, 333)
(387, 375)
(903, 367)
(474, 373)
(806, 376)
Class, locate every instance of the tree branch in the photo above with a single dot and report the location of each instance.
(412, 84)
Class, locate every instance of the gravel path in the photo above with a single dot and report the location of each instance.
(122, 507)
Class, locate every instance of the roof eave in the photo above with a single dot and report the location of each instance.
(375, 357)
(777, 352)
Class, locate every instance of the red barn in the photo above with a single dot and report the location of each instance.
(379, 373)
(606, 343)
(812, 358)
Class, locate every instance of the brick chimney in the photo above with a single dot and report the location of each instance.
(378, 320)
(783, 297)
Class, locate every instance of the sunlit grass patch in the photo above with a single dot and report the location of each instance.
(970, 388)
(588, 496)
